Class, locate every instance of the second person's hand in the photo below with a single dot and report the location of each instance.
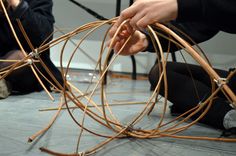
(146, 12)
(137, 43)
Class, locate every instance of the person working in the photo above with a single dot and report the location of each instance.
(201, 20)
(37, 19)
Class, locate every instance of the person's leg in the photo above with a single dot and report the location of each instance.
(21, 80)
(5, 86)
(181, 92)
(11, 55)
(199, 74)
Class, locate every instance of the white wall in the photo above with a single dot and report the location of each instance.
(220, 50)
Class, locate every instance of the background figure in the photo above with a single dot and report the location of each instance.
(37, 19)
(200, 20)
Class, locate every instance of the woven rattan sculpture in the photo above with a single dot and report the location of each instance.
(103, 115)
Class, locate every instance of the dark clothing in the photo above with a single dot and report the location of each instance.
(185, 92)
(37, 19)
(200, 20)
(219, 14)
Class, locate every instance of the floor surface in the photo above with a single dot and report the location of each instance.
(21, 117)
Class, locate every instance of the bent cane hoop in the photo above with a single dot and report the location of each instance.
(203, 63)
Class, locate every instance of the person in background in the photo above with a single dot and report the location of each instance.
(201, 20)
(37, 19)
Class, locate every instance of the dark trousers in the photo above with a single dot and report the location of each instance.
(23, 79)
(182, 91)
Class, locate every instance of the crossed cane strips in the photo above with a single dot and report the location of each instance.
(103, 114)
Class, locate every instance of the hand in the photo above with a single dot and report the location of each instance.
(145, 12)
(14, 3)
(137, 43)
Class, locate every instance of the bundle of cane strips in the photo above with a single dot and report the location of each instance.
(102, 114)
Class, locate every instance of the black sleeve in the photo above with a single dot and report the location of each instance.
(217, 13)
(36, 18)
(202, 19)
(198, 32)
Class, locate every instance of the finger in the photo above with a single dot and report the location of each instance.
(112, 42)
(125, 30)
(117, 47)
(124, 34)
(129, 28)
(145, 21)
(133, 22)
(112, 31)
(127, 14)
(120, 45)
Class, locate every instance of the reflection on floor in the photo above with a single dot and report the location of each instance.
(20, 118)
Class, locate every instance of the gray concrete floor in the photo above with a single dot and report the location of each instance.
(20, 118)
